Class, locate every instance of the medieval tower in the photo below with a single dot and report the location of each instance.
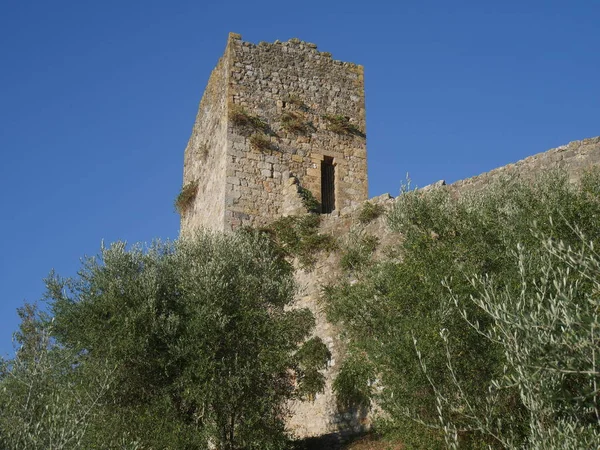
(277, 123)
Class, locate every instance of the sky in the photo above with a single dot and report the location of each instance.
(98, 99)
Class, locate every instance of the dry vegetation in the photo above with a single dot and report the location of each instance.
(373, 443)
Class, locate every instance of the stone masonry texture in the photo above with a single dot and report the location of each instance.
(272, 112)
(205, 156)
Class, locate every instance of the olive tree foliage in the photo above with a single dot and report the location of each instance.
(416, 342)
(549, 334)
(202, 347)
(46, 401)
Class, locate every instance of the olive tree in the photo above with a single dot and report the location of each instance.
(548, 330)
(442, 392)
(46, 399)
(203, 345)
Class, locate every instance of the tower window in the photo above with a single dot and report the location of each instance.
(327, 185)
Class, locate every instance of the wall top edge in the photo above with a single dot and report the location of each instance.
(293, 43)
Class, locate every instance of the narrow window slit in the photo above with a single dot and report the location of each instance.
(327, 185)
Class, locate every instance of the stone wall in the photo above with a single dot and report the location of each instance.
(574, 158)
(205, 155)
(322, 416)
(292, 87)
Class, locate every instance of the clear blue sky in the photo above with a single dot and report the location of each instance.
(97, 101)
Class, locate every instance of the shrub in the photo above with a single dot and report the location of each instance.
(186, 197)
(369, 212)
(358, 251)
(311, 204)
(298, 236)
(547, 329)
(47, 400)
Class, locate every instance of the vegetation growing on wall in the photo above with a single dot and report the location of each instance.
(247, 122)
(369, 212)
(293, 122)
(312, 358)
(485, 332)
(342, 125)
(298, 236)
(295, 100)
(261, 142)
(186, 196)
(203, 151)
(309, 201)
(358, 251)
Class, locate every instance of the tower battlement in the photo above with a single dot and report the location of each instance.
(276, 121)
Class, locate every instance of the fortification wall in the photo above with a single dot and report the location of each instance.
(574, 158)
(322, 416)
(292, 87)
(205, 155)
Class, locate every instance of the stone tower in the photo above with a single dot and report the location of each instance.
(277, 122)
